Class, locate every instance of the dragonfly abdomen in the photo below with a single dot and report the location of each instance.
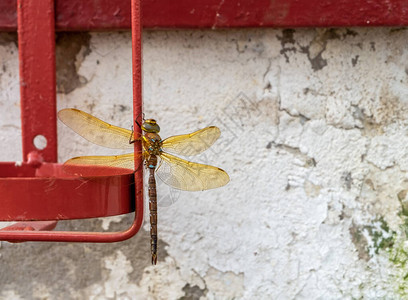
(151, 164)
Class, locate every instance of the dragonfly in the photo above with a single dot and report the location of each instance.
(172, 170)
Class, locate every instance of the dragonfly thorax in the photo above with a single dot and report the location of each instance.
(152, 143)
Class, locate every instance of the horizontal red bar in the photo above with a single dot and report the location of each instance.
(70, 236)
(78, 15)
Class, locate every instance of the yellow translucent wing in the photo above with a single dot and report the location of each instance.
(88, 165)
(188, 176)
(120, 161)
(193, 143)
(94, 130)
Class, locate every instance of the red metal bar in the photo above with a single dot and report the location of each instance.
(99, 237)
(137, 102)
(115, 14)
(31, 226)
(63, 236)
(8, 15)
(36, 45)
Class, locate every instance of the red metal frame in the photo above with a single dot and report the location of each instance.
(37, 76)
(115, 14)
(34, 189)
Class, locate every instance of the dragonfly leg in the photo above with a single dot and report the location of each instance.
(134, 140)
(139, 125)
(130, 137)
(137, 122)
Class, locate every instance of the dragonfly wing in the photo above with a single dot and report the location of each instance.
(88, 165)
(96, 131)
(193, 143)
(184, 175)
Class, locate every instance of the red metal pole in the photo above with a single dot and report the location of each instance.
(36, 46)
(137, 99)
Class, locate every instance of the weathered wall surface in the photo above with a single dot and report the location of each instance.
(314, 137)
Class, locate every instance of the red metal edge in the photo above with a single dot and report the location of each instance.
(44, 191)
(77, 15)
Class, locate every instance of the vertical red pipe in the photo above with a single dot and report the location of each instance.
(36, 46)
(137, 99)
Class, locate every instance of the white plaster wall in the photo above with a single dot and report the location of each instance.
(314, 137)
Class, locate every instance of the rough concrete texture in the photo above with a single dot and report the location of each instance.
(314, 137)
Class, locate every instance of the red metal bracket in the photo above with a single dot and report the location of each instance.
(38, 190)
(36, 45)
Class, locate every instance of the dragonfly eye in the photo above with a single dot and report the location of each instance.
(150, 125)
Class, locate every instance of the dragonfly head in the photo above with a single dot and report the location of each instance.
(150, 125)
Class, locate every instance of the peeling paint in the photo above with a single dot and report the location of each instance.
(71, 50)
(226, 285)
(287, 42)
(193, 292)
(354, 60)
(315, 143)
(360, 242)
(348, 180)
(312, 190)
(316, 48)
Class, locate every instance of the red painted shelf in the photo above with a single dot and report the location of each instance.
(79, 15)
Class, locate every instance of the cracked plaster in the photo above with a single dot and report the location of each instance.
(313, 128)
